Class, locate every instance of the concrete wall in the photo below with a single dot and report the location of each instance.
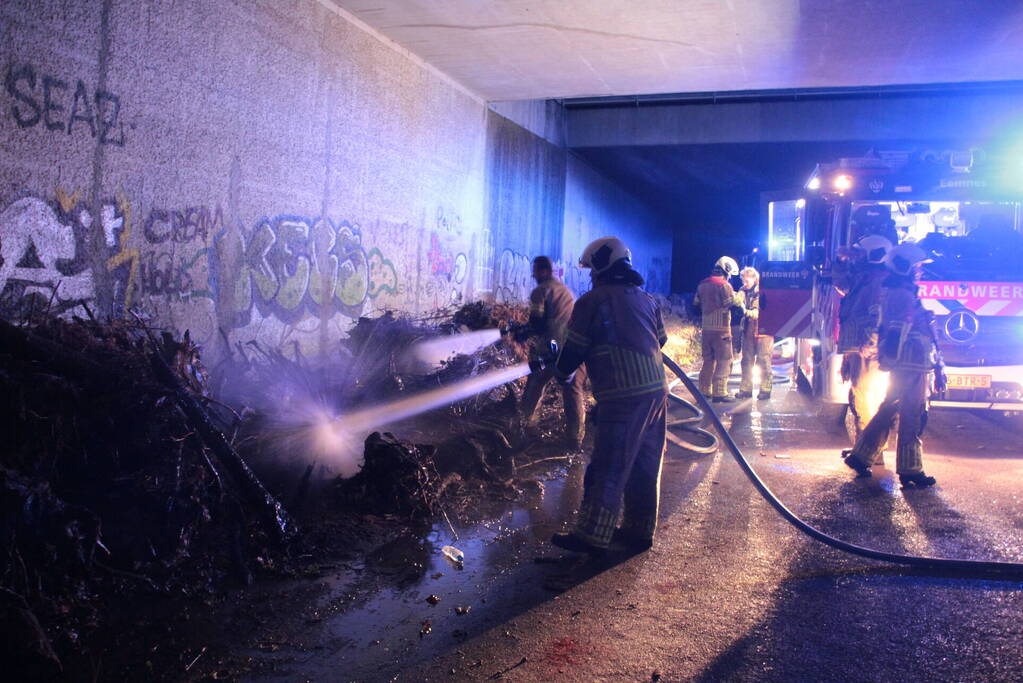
(263, 167)
(542, 199)
(543, 118)
(596, 207)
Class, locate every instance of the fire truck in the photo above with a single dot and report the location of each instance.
(961, 208)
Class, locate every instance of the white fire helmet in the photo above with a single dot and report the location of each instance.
(601, 254)
(728, 266)
(876, 247)
(903, 258)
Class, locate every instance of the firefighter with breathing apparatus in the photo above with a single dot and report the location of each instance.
(859, 316)
(617, 331)
(908, 350)
(550, 308)
(756, 348)
(715, 298)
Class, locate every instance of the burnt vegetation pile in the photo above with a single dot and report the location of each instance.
(113, 482)
(131, 473)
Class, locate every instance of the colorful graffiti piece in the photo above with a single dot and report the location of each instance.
(383, 278)
(289, 266)
(45, 262)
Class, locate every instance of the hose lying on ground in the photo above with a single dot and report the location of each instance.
(956, 565)
(707, 442)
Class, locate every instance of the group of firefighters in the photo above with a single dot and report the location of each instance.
(614, 333)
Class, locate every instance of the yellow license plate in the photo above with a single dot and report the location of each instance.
(969, 381)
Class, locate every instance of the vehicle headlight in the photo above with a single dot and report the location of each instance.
(842, 182)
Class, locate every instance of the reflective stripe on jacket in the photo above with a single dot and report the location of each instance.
(905, 337)
(618, 331)
(715, 297)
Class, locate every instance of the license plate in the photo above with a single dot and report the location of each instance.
(969, 381)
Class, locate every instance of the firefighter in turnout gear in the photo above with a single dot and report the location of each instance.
(550, 308)
(756, 348)
(907, 349)
(859, 317)
(715, 299)
(617, 331)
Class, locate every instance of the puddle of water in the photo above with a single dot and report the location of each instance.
(371, 615)
(370, 633)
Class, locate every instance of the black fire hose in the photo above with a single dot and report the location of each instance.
(705, 442)
(944, 563)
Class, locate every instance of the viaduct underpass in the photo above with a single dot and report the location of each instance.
(702, 159)
(269, 342)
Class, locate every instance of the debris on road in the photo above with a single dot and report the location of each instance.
(433, 599)
(453, 554)
(501, 673)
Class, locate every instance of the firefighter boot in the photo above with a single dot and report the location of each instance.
(850, 459)
(574, 544)
(917, 479)
(632, 541)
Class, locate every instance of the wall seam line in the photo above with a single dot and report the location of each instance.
(405, 52)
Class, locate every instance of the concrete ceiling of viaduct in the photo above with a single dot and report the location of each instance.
(534, 49)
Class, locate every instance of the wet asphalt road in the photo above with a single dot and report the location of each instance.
(729, 592)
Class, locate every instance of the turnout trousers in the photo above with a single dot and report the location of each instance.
(716, 346)
(756, 352)
(625, 469)
(863, 372)
(572, 396)
(907, 401)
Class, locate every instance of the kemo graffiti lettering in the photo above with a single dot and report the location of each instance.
(288, 266)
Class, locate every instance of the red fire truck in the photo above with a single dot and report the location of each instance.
(966, 212)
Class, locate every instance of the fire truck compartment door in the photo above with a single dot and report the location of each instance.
(787, 299)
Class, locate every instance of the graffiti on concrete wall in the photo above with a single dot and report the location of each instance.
(175, 261)
(512, 277)
(447, 261)
(192, 268)
(289, 266)
(44, 254)
(62, 105)
(383, 278)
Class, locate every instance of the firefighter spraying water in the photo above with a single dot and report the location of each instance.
(338, 439)
(616, 330)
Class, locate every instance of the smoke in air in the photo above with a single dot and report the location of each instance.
(336, 441)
